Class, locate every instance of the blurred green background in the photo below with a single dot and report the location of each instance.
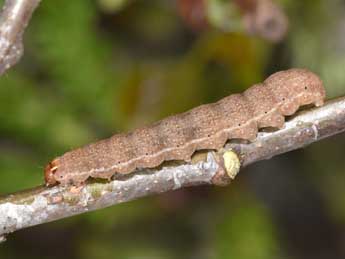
(94, 68)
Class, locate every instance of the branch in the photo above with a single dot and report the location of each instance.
(43, 204)
(13, 21)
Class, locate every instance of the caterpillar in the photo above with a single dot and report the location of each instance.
(209, 126)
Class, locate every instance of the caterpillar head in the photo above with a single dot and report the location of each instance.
(52, 172)
(63, 171)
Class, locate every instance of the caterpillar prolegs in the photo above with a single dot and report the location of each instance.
(177, 137)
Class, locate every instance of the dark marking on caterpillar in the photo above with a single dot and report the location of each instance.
(238, 116)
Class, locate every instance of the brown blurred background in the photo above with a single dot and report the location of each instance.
(94, 68)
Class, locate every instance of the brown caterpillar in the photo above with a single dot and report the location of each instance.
(205, 127)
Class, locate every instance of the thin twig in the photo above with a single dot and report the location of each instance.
(43, 204)
(14, 18)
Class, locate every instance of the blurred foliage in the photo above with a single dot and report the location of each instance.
(224, 15)
(241, 222)
(94, 68)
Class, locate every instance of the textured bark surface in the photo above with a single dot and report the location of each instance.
(209, 126)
